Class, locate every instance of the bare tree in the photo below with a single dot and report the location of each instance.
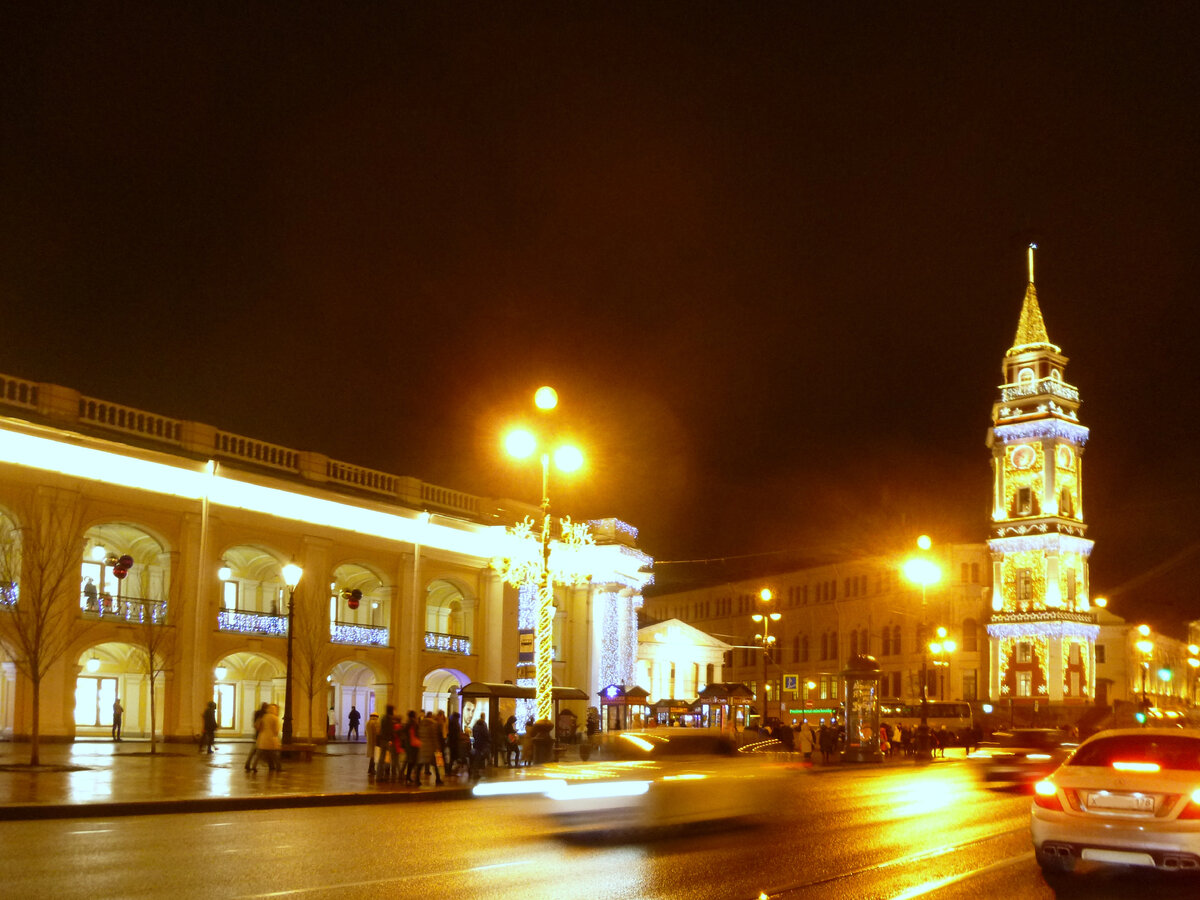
(39, 564)
(313, 653)
(155, 634)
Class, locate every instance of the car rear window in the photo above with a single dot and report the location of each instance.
(1167, 751)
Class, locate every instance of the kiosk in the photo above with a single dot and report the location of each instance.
(861, 677)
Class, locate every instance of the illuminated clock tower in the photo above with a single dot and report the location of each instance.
(1042, 631)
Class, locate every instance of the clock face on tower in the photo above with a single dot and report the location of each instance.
(1023, 456)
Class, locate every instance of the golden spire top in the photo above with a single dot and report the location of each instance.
(1031, 330)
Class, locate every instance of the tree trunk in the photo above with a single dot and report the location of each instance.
(34, 758)
(153, 743)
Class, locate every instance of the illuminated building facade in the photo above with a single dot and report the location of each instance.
(400, 600)
(831, 613)
(1043, 630)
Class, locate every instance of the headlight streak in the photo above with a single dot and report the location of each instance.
(598, 790)
(515, 788)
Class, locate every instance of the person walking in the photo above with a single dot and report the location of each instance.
(118, 713)
(252, 759)
(372, 743)
(269, 740)
(354, 718)
(208, 737)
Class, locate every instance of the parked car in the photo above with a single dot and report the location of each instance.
(1128, 797)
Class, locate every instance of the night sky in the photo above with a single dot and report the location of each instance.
(770, 255)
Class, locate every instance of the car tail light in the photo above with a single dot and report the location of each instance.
(1136, 766)
(1045, 795)
(1192, 810)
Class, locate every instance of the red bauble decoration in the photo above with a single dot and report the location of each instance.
(353, 600)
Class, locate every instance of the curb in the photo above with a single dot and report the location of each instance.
(32, 812)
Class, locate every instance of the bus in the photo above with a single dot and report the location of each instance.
(955, 715)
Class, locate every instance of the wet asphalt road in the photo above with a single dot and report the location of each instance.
(843, 833)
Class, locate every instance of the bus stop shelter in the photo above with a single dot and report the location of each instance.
(492, 693)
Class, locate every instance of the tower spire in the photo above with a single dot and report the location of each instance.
(1031, 329)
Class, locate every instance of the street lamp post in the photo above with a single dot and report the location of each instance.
(291, 577)
(941, 650)
(765, 639)
(923, 571)
(522, 443)
(1146, 648)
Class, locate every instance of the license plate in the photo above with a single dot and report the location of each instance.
(1108, 800)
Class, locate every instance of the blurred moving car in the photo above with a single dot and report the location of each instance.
(1128, 797)
(655, 778)
(1022, 755)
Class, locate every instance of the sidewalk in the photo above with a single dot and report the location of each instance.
(101, 778)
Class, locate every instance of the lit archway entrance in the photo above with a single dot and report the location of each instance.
(110, 673)
(242, 682)
(440, 690)
(353, 684)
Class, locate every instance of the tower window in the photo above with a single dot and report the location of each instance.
(1024, 587)
(1071, 586)
(1024, 501)
(1024, 652)
(1066, 504)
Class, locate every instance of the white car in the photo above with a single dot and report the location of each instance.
(1127, 797)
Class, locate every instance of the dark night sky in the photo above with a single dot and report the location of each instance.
(770, 255)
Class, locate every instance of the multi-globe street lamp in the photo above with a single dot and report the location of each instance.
(291, 578)
(941, 650)
(522, 443)
(765, 639)
(923, 571)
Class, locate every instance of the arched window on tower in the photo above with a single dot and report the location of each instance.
(1025, 376)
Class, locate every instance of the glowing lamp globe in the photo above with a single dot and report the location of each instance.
(921, 571)
(568, 459)
(292, 574)
(545, 397)
(520, 443)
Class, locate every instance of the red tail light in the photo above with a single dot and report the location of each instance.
(1045, 795)
(1192, 809)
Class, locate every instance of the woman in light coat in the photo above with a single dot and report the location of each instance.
(269, 740)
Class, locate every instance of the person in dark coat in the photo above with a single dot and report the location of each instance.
(481, 746)
(453, 748)
(208, 738)
(355, 717)
(512, 742)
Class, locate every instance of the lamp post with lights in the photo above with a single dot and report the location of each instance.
(941, 650)
(765, 640)
(1146, 647)
(923, 571)
(522, 443)
(291, 578)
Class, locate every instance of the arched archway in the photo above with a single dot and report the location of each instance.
(242, 682)
(449, 617)
(439, 690)
(354, 684)
(112, 672)
(132, 593)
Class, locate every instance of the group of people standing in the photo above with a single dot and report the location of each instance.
(424, 749)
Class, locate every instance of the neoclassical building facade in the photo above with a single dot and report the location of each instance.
(176, 536)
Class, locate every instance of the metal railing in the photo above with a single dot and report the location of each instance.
(448, 643)
(252, 622)
(362, 635)
(126, 609)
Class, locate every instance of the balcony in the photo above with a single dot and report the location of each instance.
(134, 610)
(251, 622)
(448, 643)
(360, 635)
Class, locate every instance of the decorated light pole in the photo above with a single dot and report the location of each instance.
(291, 578)
(531, 560)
